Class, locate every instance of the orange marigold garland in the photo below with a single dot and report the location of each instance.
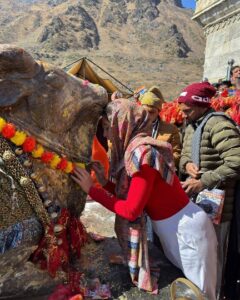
(222, 103)
(235, 113)
(29, 145)
(228, 104)
(171, 112)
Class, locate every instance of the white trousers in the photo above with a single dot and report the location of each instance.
(189, 242)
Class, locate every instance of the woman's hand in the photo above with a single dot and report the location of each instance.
(98, 168)
(83, 179)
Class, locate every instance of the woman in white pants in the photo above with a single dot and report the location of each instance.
(146, 181)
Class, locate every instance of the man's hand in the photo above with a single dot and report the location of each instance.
(83, 179)
(192, 170)
(192, 186)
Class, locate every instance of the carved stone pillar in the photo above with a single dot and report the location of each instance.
(221, 23)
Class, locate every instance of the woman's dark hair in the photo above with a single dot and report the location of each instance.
(99, 134)
(226, 82)
(107, 111)
(216, 85)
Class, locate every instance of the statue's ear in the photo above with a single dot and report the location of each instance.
(10, 93)
(17, 69)
(16, 63)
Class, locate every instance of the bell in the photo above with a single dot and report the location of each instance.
(42, 189)
(59, 242)
(33, 176)
(58, 228)
(47, 203)
(19, 151)
(7, 155)
(27, 163)
(24, 181)
(54, 215)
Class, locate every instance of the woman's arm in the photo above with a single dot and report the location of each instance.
(138, 195)
(110, 187)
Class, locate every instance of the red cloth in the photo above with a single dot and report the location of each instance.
(199, 93)
(99, 154)
(149, 192)
(110, 187)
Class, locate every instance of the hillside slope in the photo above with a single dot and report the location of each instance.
(141, 42)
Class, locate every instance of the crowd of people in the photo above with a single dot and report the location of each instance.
(144, 181)
(154, 177)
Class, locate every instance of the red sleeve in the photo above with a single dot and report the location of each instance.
(138, 195)
(110, 187)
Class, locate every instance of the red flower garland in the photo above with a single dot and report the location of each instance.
(29, 144)
(8, 131)
(52, 255)
(63, 164)
(47, 157)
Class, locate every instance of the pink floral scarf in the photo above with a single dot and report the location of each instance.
(132, 147)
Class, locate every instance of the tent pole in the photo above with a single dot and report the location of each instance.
(109, 75)
(74, 62)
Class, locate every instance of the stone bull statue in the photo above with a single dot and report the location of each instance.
(61, 113)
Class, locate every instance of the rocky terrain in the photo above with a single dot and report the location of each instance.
(141, 42)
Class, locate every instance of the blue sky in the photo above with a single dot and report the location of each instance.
(189, 3)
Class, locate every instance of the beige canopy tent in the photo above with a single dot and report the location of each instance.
(83, 70)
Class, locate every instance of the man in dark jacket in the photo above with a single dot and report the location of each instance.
(218, 154)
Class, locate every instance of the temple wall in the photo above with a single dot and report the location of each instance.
(221, 24)
(202, 5)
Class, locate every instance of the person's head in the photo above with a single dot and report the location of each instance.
(152, 111)
(195, 100)
(122, 121)
(216, 85)
(225, 84)
(235, 73)
(152, 101)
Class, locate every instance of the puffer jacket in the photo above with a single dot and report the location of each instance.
(169, 133)
(219, 157)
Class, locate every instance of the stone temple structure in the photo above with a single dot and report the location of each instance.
(221, 22)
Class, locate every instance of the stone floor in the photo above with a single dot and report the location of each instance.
(95, 258)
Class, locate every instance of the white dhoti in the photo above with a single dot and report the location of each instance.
(189, 242)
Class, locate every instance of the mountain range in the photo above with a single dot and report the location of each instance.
(140, 42)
